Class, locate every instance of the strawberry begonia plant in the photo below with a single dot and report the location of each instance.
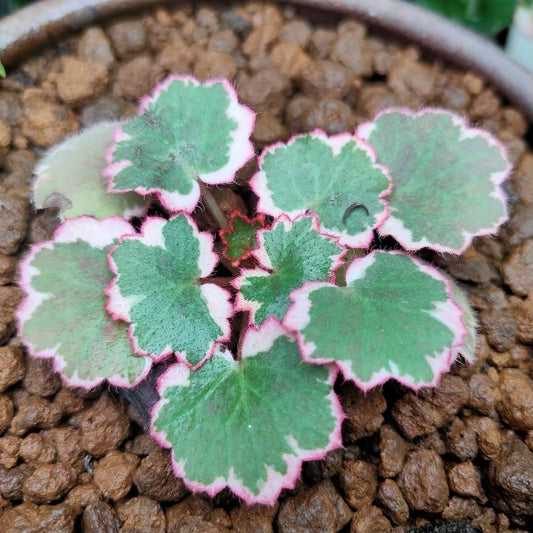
(249, 389)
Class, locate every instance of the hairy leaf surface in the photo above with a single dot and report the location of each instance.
(70, 177)
(157, 289)
(289, 254)
(393, 319)
(185, 132)
(63, 315)
(447, 178)
(248, 424)
(335, 178)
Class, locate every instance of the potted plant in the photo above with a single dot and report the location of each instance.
(298, 288)
(262, 264)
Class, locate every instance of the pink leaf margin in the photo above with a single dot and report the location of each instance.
(394, 226)
(171, 201)
(216, 298)
(255, 341)
(259, 185)
(468, 354)
(241, 149)
(97, 233)
(42, 171)
(265, 266)
(226, 231)
(116, 380)
(240, 152)
(448, 313)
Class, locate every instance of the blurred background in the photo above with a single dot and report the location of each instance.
(508, 22)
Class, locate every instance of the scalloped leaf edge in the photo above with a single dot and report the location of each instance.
(240, 152)
(216, 298)
(263, 262)
(255, 341)
(298, 316)
(468, 348)
(41, 172)
(260, 218)
(258, 184)
(97, 233)
(394, 226)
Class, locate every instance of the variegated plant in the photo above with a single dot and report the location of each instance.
(255, 336)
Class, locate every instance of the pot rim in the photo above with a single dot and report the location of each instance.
(23, 32)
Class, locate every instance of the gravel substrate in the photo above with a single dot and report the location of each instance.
(80, 461)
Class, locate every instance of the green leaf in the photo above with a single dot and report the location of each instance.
(157, 289)
(393, 319)
(484, 16)
(70, 177)
(63, 315)
(248, 424)
(335, 178)
(185, 132)
(240, 238)
(2, 71)
(289, 254)
(447, 178)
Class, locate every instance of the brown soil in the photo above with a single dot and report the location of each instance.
(80, 461)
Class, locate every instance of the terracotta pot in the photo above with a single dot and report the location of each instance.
(46, 20)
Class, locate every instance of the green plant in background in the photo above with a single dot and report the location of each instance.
(484, 16)
(9, 6)
(519, 42)
(2, 71)
(244, 401)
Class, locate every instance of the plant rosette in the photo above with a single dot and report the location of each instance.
(255, 336)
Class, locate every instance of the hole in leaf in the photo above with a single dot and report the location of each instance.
(58, 201)
(352, 208)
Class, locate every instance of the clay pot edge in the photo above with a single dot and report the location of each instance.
(37, 24)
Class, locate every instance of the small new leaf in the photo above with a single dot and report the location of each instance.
(63, 315)
(157, 290)
(447, 178)
(240, 238)
(289, 254)
(335, 178)
(394, 319)
(248, 424)
(187, 131)
(70, 177)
